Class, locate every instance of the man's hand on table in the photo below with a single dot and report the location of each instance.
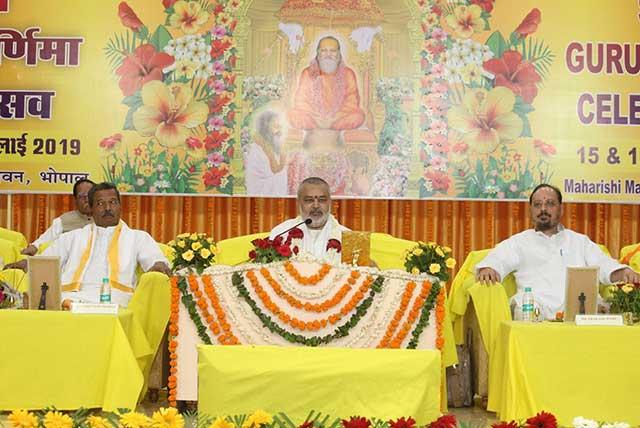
(160, 267)
(487, 276)
(625, 275)
(31, 250)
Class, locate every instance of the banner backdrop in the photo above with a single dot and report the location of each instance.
(384, 99)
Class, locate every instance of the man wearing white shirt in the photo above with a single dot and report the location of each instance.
(107, 249)
(68, 221)
(539, 257)
(314, 203)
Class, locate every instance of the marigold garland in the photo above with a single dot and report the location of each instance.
(190, 305)
(340, 332)
(399, 314)
(430, 301)
(418, 304)
(440, 314)
(173, 334)
(307, 280)
(227, 337)
(306, 306)
(309, 325)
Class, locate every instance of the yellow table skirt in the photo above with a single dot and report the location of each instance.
(53, 358)
(569, 370)
(381, 383)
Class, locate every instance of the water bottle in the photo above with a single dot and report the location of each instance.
(527, 305)
(105, 291)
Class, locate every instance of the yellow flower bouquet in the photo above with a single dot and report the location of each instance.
(193, 250)
(624, 298)
(429, 258)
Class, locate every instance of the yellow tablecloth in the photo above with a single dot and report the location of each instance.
(569, 370)
(52, 358)
(381, 383)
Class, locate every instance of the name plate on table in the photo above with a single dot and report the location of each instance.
(94, 308)
(599, 320)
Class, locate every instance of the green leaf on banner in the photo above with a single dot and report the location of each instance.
(133, 101)
(160, 38)
(497, 44)
(128, 121)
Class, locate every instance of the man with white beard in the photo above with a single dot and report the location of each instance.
(265, 164)
(327, 97)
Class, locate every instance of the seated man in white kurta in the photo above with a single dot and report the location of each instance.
(539, 257)
(106, 249)
(314, 203)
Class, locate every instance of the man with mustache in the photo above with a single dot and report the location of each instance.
(327, 97)
(314, 203)
(266, 161)
(106, 249)
(539, 257)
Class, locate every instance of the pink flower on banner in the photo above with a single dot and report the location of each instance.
(438, 70)
(460, 148)
(544, 148)
(440, 88)
(218, 86)
(218, 67)
(193, 143)
(219, 31)
(216, 122)
(439, 180)
(439, 34)
(215, 158)
(439, 126)
(438, 162)
(111, 142)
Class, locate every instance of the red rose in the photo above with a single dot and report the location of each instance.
(486, 5)
(128, 17)
(335, 244)
(512, 424)
(529, 24)
(542, 420)
(402, 423)
(284, 250)
(252, 254)
(260, 243)
(277, 241)
(296, 233)
(356, 421)
(444, 421)
(168, 3)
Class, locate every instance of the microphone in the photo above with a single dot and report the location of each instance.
(307, 221)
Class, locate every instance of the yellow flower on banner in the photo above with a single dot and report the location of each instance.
(450, 262)
(466, 20)
(439, 252)
(418, 251)
(167, 418)
(186, 69)
(221, 423)
(257, 419)
(415, 271)
(134, 420)
(434, 268)
(188, 255)
(486, 118)
(182, 244)
(98, 422)
(169, 112)
(188, 16)
(204, 253)
(23, 419)
(55, 419)
(196, 246)
(124, 187)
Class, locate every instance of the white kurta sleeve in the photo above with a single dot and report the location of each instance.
(594, 256)
(51, 234)
(504, 258)
(147, 251)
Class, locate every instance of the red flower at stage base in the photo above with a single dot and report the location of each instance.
(542, 420)
(512, 424)
(444, 421)
(402, 423)
(356, 422)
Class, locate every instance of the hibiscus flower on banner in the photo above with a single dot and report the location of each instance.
(178, 86)
(476, 98)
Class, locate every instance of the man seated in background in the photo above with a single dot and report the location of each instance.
(107, 248)
(539, 257)
(76, 219)
(314, 204)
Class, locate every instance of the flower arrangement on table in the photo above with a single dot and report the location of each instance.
(193, 250)
(624, 298)
(429, 258)
(274, 250)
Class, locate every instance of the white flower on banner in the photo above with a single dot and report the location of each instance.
(580, 422)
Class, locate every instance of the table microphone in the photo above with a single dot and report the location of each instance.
(307, 221)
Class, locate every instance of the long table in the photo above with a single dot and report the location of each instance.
(569, 370)
(382, 383)
(54, 358)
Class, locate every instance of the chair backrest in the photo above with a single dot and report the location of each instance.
(234, 251)
(9, 251)
(11, 235)
(630, 255)
(388, 251)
